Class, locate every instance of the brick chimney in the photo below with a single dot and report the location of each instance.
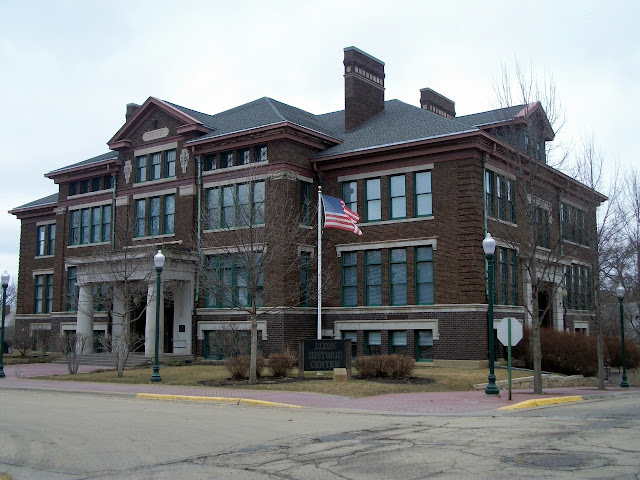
(131, 109)
(363, 87)
(436, 103)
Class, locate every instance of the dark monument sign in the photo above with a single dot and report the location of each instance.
(322, 355)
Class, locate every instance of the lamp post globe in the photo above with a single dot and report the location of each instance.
(158, 261)
(489, 247)
(5, 283)
(620, 291)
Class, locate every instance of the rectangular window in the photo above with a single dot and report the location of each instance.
(42, 241)
(213, 208)
(424, 276)
(575, 286)
(96, 184)
(226, 160)
(210, 162)
(373, 345)
(140, 218)
(423, 200)
(350, 195)
(141, 169)
(258, 202)
(51, 249)
(503, 276)
(85, 219)
(398, 343)
(353, 336)
(542, 228)
(74, 231)
(568, 287)
(73, 189)
(168, 225)
(156, 161)
(244, 156)
(510, 202)
(228, 213)
(305, 279)
(424, 345)
(373, 277)
(72, 289)
(48, 293)
(96, 224)
(514, 277)
(305, 203)
(373, 199)
(106, 223)
(501, 194)
(38, 293)
(227, 281)
(170, 163)
(84, 186)
(489, 193)
(261, 153)
(154, 216)
(397, 194)
(349, 262)
(244, 210)
(107, 182)
(398, 276)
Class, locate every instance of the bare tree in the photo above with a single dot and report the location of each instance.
(532, 117)
(604, 232)
(253, 248)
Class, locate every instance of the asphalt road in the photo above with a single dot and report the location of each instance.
(49, 435)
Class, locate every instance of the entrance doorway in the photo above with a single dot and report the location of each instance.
(138, 321)
(545, 313)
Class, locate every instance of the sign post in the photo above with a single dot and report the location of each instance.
(509, 333)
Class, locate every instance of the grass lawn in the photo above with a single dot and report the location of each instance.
(445, 379)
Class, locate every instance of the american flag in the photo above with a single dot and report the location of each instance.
(337, 215)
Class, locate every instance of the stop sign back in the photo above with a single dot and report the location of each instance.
(503, 331)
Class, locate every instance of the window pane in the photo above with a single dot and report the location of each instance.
(227, 207)
(350, 195)
(41, 241)
(85, 215)
(52, 239)
(258, 202)
(96, 223)
(398, 338)
(154, 173)
(170, 163)
(423, 194)
(141, 169)
(213, 208)
(106, 223)
(169, 214)
(243, 212)
(154, 216)
(372, 188)
(374, 338)
(397, 194)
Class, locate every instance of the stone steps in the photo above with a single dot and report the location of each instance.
(548, 381)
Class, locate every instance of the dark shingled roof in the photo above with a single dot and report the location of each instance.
(204, 118)
(492, 116)
(84, 163)
(263, 112)
(49, 200)
(398, 123)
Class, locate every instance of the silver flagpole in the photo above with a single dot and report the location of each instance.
(319, 263)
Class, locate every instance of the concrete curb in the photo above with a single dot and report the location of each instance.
(537, 402)
(235, 401)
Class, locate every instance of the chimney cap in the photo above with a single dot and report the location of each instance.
(356, 49)
(427, 89)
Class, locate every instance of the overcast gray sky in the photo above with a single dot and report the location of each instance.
(68, 68)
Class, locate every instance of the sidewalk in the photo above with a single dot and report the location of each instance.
(26, 377)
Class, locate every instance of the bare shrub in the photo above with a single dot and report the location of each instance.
(71, 345)
(613, 352)
(238, 367)
(22, 342)
(281, 364)
(398, 366)
(370, 367)
(120, 348)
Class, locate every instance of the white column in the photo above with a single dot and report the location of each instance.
(85, 316)
(150, 325)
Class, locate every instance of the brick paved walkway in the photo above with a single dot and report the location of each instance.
(26, 377)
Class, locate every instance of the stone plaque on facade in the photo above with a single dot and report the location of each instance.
(184, 159)
(128, 168)
(155, 134)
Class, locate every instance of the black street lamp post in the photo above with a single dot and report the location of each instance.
(158, 261)
(620, 291)
(489, 247)
(5, 284)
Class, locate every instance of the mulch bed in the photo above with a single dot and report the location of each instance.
(229, 382)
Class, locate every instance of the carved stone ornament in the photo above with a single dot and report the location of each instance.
(128, 168)
(184, 159)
